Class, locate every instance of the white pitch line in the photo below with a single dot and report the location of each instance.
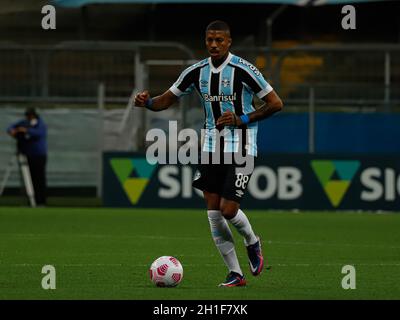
(334, 264)
(116, 237)
(95, 236)
(300, 243)
(69, 264)
(100, 265)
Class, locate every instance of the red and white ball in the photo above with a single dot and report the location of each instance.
(166, 271)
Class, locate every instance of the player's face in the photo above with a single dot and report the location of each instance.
(218, 43)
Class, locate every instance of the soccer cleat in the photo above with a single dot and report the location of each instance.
(233, 279)
(256, 259)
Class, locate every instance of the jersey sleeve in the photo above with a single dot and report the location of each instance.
(254, 79)
(185, 83)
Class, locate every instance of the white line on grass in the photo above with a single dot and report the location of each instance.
(116, 237)
(319, 244)
(334, 264)
(95, 236)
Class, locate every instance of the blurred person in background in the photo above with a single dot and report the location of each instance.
(31, 136)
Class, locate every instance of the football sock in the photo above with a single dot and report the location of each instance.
(223, 239)
(243, 226)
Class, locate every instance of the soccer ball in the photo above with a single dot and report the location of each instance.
(166, 271)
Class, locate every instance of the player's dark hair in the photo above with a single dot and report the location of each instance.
(218, 25)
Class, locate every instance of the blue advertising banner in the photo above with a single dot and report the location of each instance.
(342, 182)
(335, 133)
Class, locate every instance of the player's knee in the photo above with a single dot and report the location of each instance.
(212, 201)
(227, 210)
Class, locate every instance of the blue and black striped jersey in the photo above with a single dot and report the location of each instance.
(231, 87)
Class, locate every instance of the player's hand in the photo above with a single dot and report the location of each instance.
(229, 118)
(141, 98)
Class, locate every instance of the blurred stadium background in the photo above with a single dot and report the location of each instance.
(341, 88)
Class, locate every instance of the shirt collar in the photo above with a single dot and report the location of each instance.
(216, 70)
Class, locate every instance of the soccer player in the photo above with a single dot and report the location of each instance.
(226, 84)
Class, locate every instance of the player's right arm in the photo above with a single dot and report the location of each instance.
(158, 103)
(184, 85)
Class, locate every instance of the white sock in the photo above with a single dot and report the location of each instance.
(223, 239)
(243, 226)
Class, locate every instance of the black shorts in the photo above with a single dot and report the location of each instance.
(227, 180)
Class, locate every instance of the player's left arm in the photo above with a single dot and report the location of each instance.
(273, 103)
(254, 81)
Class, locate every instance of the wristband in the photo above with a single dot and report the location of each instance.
(149, 103)
(245, 119)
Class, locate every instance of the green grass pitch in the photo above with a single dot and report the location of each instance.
(106, 253)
